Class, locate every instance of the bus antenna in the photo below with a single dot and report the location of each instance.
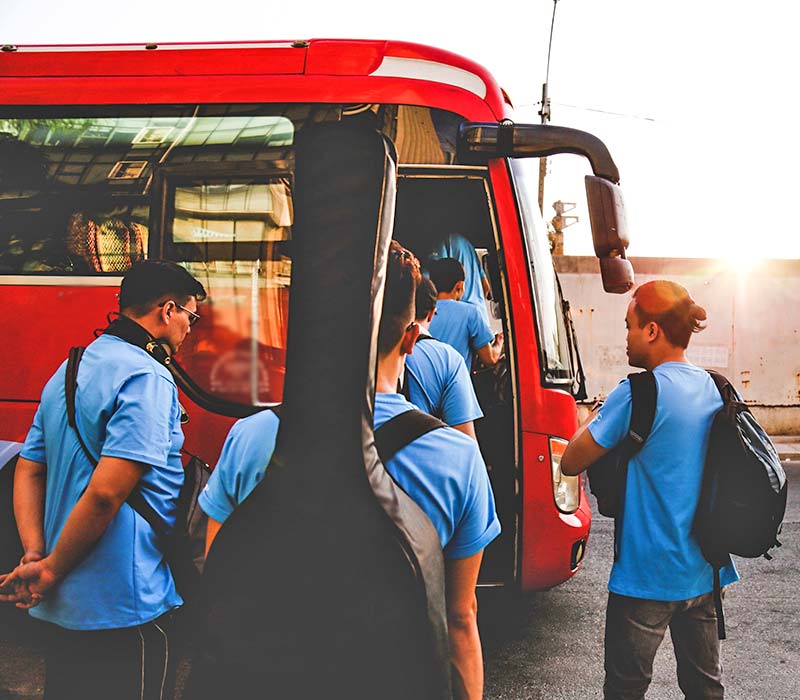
(544, 112)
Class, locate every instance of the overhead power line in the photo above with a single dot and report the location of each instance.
(604, 111)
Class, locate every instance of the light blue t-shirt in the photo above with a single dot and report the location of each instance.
(126, 407)
(460, 325)
(442, 471)
(659, 558)
(439, 383)
(241, 466)
(459, 248)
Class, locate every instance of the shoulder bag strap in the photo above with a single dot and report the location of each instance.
(135, 500)
(402, 430)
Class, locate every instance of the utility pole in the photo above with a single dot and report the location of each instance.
(559, 222)
(544, 112)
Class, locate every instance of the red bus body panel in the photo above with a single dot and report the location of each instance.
(332, 71)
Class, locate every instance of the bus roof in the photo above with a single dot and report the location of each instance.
(348, 58)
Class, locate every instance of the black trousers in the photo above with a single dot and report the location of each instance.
(635, 629)
(133, 663)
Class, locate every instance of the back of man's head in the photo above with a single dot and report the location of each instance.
(402, 277)
(670, 306)
(426, 298)
(446, 274)
(151, 281)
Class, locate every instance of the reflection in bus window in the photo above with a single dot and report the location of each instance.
(89, 191)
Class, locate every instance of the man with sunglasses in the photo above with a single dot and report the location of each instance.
(92, 566)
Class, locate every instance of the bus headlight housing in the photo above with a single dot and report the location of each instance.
(566, 489)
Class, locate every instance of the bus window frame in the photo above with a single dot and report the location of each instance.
(162, 211)
(483, 173)
(547, 380)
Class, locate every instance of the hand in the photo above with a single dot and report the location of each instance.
(30, 556)
(26, 585)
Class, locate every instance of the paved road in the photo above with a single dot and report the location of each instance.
(549, 646)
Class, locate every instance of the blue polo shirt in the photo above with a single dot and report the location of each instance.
(439, 383)
(442, 471)
(459, 248)
(460, 325)
(659, 558)
(126, 407)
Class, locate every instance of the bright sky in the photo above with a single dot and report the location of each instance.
(695, 100)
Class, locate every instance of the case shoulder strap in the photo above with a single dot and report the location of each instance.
(402, 430)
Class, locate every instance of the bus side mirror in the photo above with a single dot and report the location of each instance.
(609, 233)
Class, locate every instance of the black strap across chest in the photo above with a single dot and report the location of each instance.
(402, 430)
(135, 500)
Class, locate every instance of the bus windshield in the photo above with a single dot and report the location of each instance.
(553, 339)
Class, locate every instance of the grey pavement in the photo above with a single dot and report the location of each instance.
(788, 447)
(549, 645)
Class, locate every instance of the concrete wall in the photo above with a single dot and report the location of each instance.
(752, 334)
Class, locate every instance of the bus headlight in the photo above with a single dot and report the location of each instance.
(566, 489)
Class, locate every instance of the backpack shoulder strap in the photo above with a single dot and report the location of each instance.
(726, 389)
(70, 389)
(643, 410)
(402, 430)
(71, 383)
(402, 388)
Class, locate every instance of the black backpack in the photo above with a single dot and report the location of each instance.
(744, 489)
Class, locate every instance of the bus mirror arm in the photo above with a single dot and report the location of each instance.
(478, 141)
(481, 141)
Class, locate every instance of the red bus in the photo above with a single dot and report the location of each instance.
(111, 154)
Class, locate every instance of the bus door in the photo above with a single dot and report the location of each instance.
(432, 203)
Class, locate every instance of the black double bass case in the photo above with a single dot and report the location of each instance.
(328, 581)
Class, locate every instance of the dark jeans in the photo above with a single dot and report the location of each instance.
(133, 663)
(634, 631)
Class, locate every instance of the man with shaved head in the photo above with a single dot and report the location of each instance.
(659, 578)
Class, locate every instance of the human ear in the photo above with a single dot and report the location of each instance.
(409, 338)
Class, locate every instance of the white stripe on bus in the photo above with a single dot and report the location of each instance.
(392, 67)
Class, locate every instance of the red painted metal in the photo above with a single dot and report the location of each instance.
(33, 75)
(47, 320)
(548, 536)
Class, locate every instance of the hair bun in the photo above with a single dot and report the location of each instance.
(697, 312)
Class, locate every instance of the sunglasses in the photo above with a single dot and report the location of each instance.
(193, 316)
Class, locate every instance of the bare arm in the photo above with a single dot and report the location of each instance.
(487, 290)
(29, 492)
(467, 428)
(582, 450)
(489, 354)
(112, 482)
(211, 532)
(466, 657)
